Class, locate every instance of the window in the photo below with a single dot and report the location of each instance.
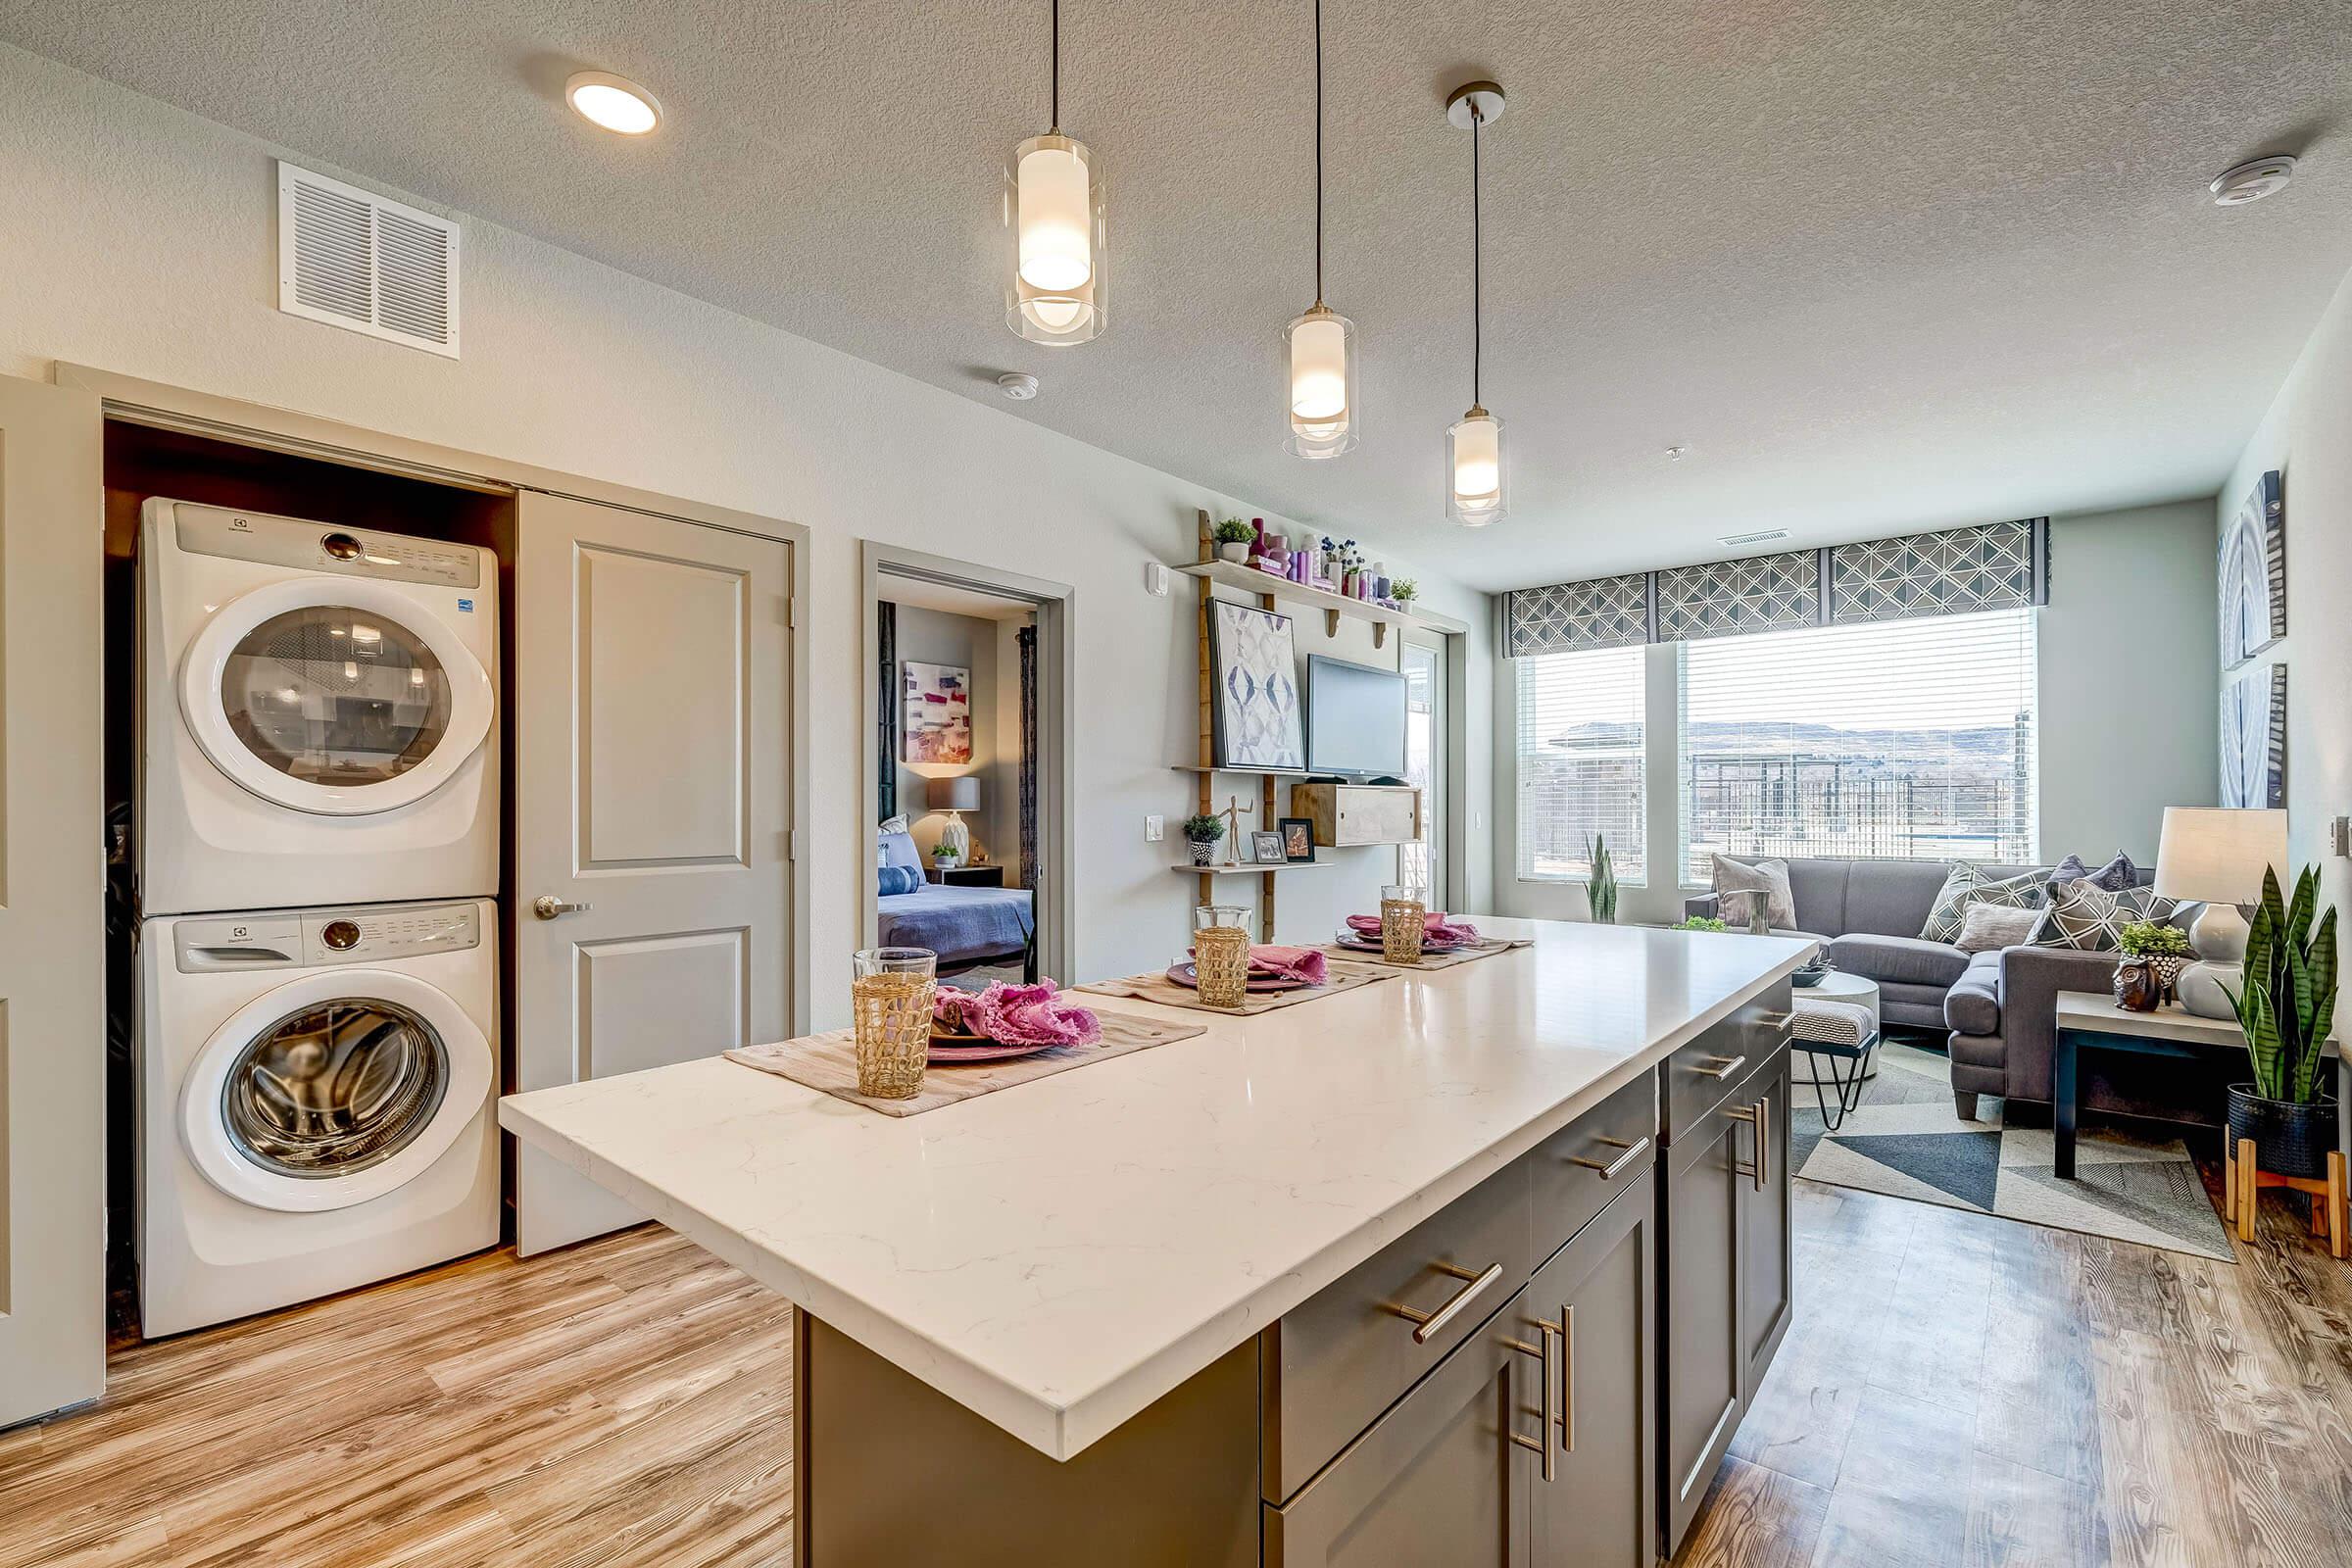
(1903, 739)
(1580, 763)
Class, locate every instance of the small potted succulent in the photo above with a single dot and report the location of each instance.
(1404, 591)
(1232, 538)
(1699, 922)
(2286, 1007)
(944, 855)
(2152, 956)
(1203, 833)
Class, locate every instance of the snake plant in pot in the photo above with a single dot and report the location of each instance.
(2287, 1005)
(1600, 888)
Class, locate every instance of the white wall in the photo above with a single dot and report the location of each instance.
(2308, 435)
(2125, 663)
(141, 239)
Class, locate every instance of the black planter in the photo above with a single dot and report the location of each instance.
(2289, 1140)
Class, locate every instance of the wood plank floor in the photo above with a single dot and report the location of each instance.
(1958, 1390)
(1955, 1390)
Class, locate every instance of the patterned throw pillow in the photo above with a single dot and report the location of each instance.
(2090, 919)
(1966, 883)
(1739, 883)
(2114, 876)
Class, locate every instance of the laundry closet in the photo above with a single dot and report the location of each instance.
(425, 777)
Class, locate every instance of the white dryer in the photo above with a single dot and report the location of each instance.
(315, 1103)
(319, 713)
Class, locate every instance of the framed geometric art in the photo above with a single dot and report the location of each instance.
(2254, 737)
(1255, 719)
(2253, 573)
(937, 700)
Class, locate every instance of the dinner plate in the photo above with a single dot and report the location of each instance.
(1364, 944)
(1186, 974)
(979, 1048)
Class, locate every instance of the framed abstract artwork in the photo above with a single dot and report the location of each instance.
(1255, 721)
(2254, 737)
(2253, 573)
(937, 701)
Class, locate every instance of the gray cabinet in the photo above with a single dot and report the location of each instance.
(1768, 1263)
(1597, 1302)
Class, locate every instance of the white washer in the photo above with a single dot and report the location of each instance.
(319, 713)
(314, 1102)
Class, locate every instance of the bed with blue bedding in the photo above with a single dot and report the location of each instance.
(964, 926)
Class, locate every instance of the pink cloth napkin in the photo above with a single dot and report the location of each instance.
(1017, 1015)
(1435, 927)
(1296, 963)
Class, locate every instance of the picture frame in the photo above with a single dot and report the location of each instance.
(2252, 572)
(1298, 839)
(2253, 737)
(937, 701)
(1265, 847)
(1256, 718)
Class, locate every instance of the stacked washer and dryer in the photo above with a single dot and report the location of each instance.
(317, 835)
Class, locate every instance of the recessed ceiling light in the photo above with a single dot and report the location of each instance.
(2251, 182)
(613, 102)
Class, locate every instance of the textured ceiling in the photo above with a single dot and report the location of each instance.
(1877, 266)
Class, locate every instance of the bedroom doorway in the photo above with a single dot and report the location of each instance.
(967, 766)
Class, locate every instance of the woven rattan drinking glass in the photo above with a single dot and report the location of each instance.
(1221, 954)
(1402, 920)
(891, 1001)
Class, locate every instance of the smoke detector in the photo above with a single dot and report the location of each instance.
(1018, 385)
(2251, 182)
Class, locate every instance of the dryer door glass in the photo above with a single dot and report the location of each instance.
(335, 696)
(336, 1087)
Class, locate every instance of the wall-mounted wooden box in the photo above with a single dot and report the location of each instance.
(1361, 814)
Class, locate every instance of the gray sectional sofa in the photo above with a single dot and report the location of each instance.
(1999, 1008)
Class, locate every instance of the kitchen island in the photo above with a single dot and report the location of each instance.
(1476, 1264)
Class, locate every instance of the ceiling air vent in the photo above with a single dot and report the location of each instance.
(352, 259)
(1763, 536)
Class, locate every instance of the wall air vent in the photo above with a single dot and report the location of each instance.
(1761, 537)
(352, 259)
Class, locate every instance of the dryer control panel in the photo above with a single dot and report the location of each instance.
(323, 547)
(316, 938)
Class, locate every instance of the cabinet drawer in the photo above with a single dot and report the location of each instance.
(1435, 1481)
(1577, 1170)
(1333, 1363)
(1703, 1074)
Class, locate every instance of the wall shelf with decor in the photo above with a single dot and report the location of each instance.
(1350, 814)
(1190, 869)
(1251, 580)
(1250, 773)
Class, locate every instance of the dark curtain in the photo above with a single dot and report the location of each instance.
(1026, 639)
(886, 717)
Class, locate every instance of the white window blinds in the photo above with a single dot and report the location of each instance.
(1580, 763)
(1906, 739)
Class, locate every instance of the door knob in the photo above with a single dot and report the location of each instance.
(547, 906)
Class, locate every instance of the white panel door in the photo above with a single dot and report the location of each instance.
(651, 759)
(52, 901)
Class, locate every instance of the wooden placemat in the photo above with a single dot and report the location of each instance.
(829, 1062)
(1160, 989)
(1486, 948)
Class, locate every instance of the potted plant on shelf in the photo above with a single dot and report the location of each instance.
(2152, 956)
(1232, 538)
(1600, 888)
(1404, 591)
(2286, 1007)
(1203, 833)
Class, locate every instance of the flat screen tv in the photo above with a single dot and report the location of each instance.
(1354, 719)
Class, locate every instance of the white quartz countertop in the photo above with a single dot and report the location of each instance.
(1059, 1255)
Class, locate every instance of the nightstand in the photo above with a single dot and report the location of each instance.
(968, 877)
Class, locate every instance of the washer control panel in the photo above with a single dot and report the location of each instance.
(325, 546)
(314, 938)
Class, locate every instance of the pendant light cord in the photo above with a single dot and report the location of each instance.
(1318, 152)
(1477, 345)
(1054, 108)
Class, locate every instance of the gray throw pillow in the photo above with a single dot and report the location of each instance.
(1738, 884)
(2092, 919)
(2026, 891)
(1990, 927)
(2114, 876)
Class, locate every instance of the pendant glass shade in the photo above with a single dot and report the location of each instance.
(1474, 492)
(1053, 210)
(1320, 375)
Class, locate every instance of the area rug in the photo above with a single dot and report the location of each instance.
(1908, 1141)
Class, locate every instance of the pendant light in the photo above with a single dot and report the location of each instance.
(1053, 210)
(1319, 347)
(1474, 476)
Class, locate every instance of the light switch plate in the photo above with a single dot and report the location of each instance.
(1155, 828)
(1155, 583)
(2339, 835)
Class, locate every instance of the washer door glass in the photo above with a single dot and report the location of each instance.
(335, 696)
(335, 1089)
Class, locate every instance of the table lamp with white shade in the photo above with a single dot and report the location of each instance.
(2217, 855)
(961, 792)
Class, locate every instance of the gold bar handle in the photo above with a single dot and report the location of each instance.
(1433, 1324)
(1568, 1378)
(1615, 1167)
(1541, 1447)
(1759, 1116)
(1721, 1067)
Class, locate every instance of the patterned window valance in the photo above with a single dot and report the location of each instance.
(1996, 565)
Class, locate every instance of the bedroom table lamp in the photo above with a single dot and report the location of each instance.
(961, 792)
(2217, 855)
